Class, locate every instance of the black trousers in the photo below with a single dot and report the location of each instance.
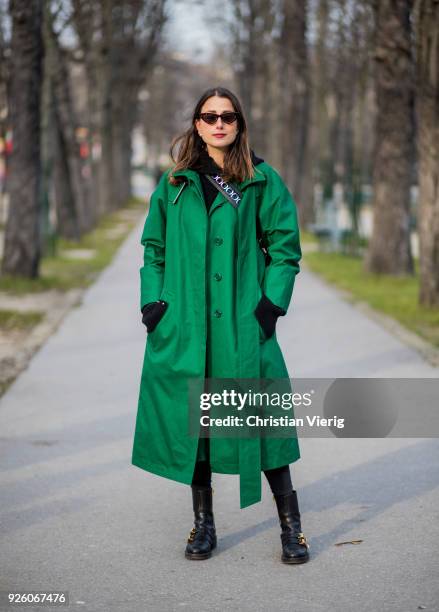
(279, 478)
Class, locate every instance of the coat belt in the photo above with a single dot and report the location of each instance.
(250, 491)
(249, 367)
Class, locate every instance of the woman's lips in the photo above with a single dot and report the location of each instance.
(219, 135)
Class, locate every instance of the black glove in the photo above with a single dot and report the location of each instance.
(267, 313)
(152, 313)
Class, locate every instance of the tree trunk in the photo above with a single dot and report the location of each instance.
(428, 147)
(389, 249)
(128, 74)
(106, 84)
(319, 131)
(84, 21)
(296, 96)
(273, 108)
(124, 116)
(78, 216)
(22, 248)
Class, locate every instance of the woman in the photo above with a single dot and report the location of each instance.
(210, 298)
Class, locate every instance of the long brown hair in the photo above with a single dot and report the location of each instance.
(237, 159)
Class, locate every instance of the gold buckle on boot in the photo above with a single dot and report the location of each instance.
(192, 535)
(301, 539)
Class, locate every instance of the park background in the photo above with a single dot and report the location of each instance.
(342, 99)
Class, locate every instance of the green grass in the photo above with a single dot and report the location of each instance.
(12, 319)
(393, 296)
(306, 236)
(4, 385)
(62, 273)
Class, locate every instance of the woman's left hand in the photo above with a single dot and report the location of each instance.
(267, 313)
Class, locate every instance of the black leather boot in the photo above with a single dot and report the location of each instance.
(294, 544)
(202, 538)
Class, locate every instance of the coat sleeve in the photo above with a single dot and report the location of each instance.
(280, 232)
(154, 242)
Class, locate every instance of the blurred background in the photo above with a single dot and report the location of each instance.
(341, 96)
(342, 99)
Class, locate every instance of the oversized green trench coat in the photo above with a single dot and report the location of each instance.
(211, 271)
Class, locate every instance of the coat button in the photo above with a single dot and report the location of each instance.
(218, 313)
(218, 276)
(218, 241)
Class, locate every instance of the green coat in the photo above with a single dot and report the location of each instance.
(211, 271)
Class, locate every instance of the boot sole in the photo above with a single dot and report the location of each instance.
(200, 556)
(294, 561)
(197, 556)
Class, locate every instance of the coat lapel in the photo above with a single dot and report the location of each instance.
(193, 177)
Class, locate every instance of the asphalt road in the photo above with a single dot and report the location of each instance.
(76, 516)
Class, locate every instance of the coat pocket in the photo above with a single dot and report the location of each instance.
(154, 314)
(161, 336)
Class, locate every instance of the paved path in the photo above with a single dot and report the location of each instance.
(75, 515)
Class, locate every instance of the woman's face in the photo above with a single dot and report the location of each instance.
(220, 135)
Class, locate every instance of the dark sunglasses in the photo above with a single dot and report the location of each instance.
(212, 118)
